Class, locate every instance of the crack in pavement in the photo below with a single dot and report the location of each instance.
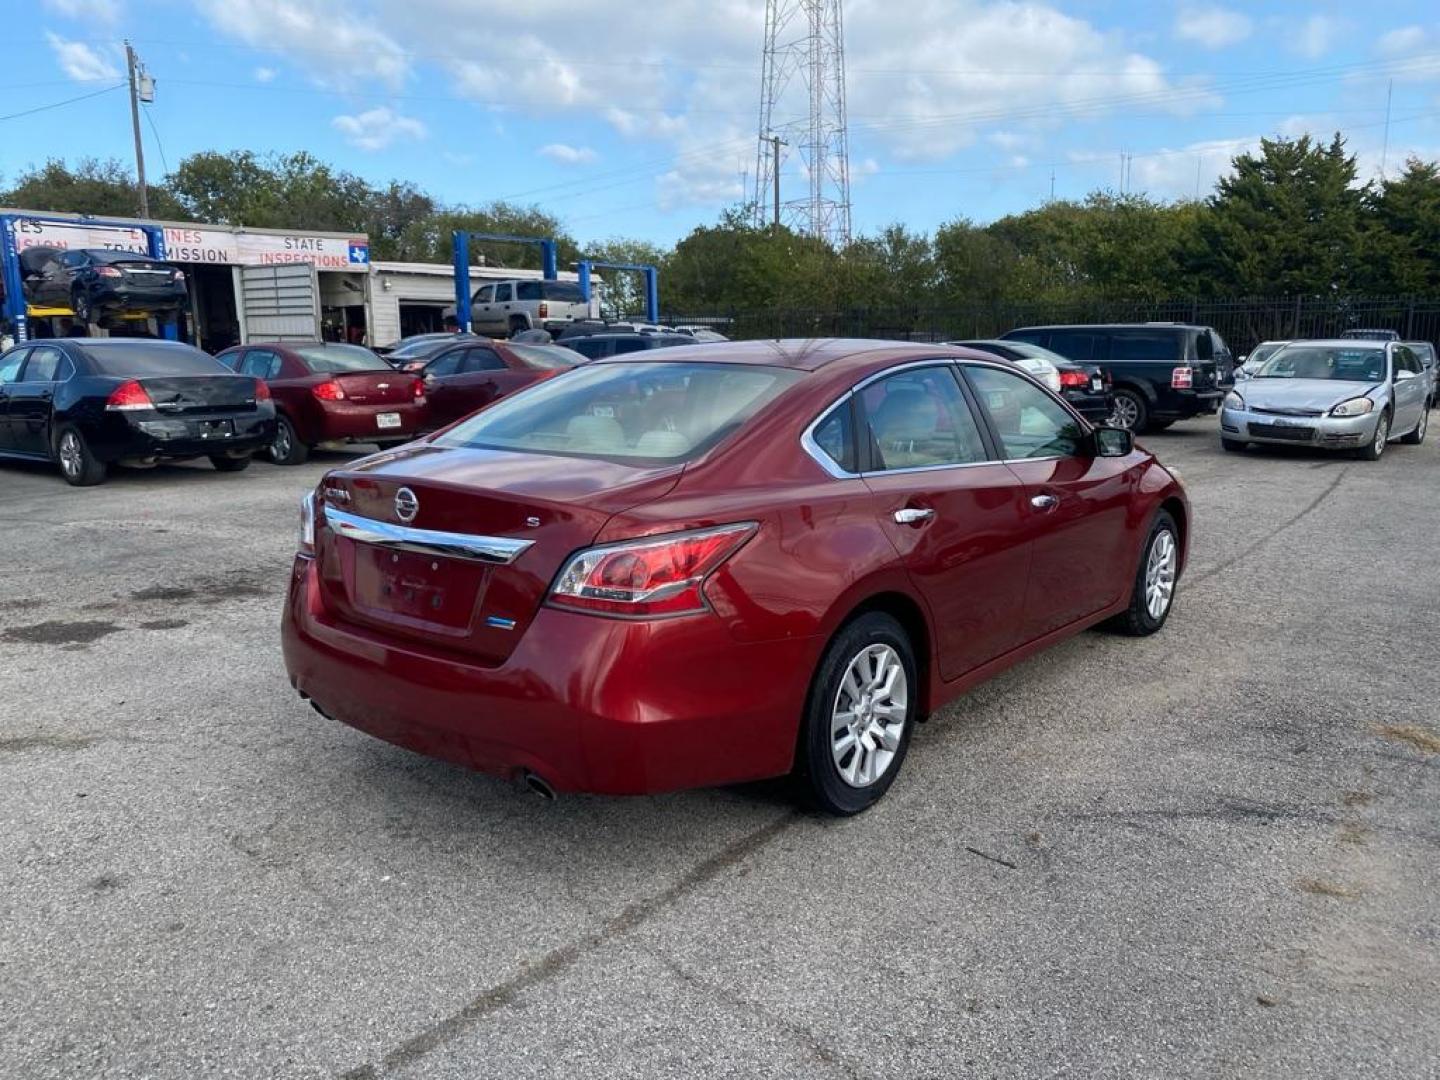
(1310, 508)
(559, 960)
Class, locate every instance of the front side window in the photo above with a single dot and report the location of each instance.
(258, 362)
(919, 419)
(482, 360)
(10, 365)
(666, 413)
(448, 364)
(485, 295)
(1029, 422)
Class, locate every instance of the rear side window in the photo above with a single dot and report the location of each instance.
(1204, 347)
(1218, 344)
(919, 419)
(482, 360)
(835, 436)
(528, 290)
(1141, 346)
(138, 360)
(261, 363)
(502, 293)
(1079, 346)
(43, 365)
(567, 292)
(589, 347)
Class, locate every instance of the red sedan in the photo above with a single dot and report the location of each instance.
(709, 565)
(328, 392)
(471, 374)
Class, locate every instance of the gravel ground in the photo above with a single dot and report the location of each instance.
(1208, 853)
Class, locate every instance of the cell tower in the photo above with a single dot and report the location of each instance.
(802, 104)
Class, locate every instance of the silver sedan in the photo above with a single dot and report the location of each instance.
(1337, 395)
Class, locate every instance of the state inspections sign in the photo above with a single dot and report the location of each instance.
(201, 245)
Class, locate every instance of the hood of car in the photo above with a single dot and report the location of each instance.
(1319, 395)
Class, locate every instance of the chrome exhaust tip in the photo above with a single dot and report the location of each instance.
(534, 782)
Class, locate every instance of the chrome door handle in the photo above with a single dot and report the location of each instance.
(913, 515)
(1044, 502)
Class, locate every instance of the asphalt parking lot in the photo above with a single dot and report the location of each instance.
(1214, 852)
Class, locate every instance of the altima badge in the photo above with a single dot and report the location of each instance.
(406, 505)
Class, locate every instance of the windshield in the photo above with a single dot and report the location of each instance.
(626, 412)
(1337, 363)
(1261, 353)
(547, 357)
(333, 359)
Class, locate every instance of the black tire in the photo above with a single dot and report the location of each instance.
(1131, 411)
(517, 324)
(80, 305)
(1417, 436)
(286, 448)
(78, 465)
(1137, 620)
(226, 463)
(1235, 446)
(817, 771)
(1160, 425)
(1375, 448)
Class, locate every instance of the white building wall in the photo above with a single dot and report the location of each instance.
(394, 283)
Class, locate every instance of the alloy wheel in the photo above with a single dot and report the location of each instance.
(1424, 423)
(71, 454)
(1160, 574)
(280, 446)
(1382, 434)
(1126, 414)
(867, 718)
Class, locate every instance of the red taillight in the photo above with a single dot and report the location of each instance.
(656, 576)
(129, 395)
(1074, 380)
(329, 390)
(262, 391)
(417, 391)
(544, 310)
(108, 271)
(1182, 378)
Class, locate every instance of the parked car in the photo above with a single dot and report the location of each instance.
(1084, 386)
(330, 392)
(698, 567)
(1161, 372)
(595, 346)
(1256, 357)
(418, 346)
(88, 403)
(468, 376)
(703, 334)
(1370, 335)
(1336, 395)
(507, 307)
(95, 282)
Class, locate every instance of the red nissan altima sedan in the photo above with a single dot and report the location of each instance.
(716, 564)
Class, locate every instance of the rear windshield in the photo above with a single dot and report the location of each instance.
(626, 412)
(424, 346)
(139, 360)
(330, 359)
(546, 357)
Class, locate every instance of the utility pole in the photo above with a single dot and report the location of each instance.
(133, 65)
(775, 143)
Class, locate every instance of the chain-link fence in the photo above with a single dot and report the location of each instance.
(1241, 322)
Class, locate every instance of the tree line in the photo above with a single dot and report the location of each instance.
(1291, 219)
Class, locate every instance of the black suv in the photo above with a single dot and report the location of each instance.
(1162, 372)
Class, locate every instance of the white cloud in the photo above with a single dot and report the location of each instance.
(81, 62)
(1212, 27)
(1406, 39)
(1314, 37)
(378, 128)
(568, 155)
(264, 74)
(339, 47)
(96, 11)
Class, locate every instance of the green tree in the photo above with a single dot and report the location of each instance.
(99, 188)
(1286, 221)
(624, 293)
(429, 239)
(1402, 248)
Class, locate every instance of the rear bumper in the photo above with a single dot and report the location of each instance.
(152, 437)
(341, 421)
(1183, 404)
(140, 299)
(589, 704)
(1093, 407)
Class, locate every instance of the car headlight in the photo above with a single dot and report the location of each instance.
(1357, 406)
(1234, 401)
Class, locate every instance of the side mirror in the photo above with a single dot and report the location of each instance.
(1402, 375)
(1113, 442)
(1240, 360)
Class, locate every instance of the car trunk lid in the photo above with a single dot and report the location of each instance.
(191, 394)
(382, 386)
(402, 579)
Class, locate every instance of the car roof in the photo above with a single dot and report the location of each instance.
(1344, 343)
(110, 342)
(1115, 326)
(801, 354)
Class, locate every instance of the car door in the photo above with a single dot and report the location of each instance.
(504, 303)
(10, 366)
(1408, 387)
(441, 394)
(32, 399)
(1076, 504)
(955, 514)
(480, 377)
(482, 308)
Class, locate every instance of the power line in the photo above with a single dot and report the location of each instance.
(67, 101)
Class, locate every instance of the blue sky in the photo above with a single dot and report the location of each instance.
(639, 120)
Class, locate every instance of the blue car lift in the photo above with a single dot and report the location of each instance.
(548, 268)
(16, 309)
(652, 283)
